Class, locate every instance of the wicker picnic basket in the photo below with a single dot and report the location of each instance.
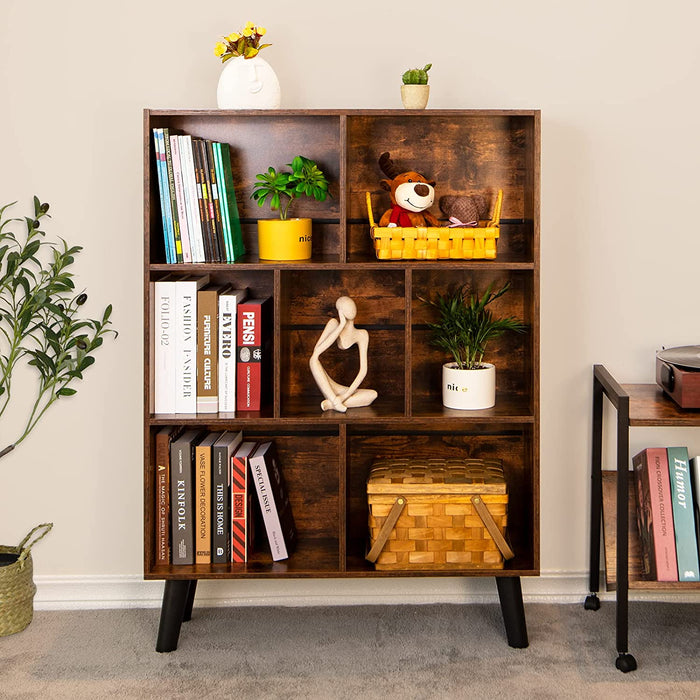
(437, 514)
(17, 587)
(437, 243)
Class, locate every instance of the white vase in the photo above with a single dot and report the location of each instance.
(468, 389)
(248, 83)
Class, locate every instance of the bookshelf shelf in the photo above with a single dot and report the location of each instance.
(613, 502)
(326, 457)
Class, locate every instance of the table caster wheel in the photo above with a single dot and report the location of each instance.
(592, 602)
(626, 663)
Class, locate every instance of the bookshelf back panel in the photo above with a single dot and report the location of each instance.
(464, 154)
(258, 142)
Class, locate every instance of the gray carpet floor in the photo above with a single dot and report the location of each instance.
(428, 651)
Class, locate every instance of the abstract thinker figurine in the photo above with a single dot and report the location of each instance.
(343, 332)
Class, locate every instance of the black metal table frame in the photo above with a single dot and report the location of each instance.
(605, 385)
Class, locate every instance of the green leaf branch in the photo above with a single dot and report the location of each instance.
(40, 321)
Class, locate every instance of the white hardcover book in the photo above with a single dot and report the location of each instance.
(266, 499)
(228, 303)
(164, 345)
(186, 342)
(180, 199)
(191, 199)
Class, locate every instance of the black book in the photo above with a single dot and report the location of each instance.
(182, 452)
(221, 454)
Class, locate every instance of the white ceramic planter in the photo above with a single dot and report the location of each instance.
(415, 96)
(248, 83)
(468, 389)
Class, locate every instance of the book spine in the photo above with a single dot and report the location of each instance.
(202, 200)
(210, 205)
(168, 236)
(186, 346)
(191, 199)
(695, 488)
(180, 198)
(238, 249)
(227, 353)
(181, 504)
(214, 180)
(239, 509)
(207, 352)
(162, 530)
(203, 504)
(248, 356)
(173, 200)
(221, 190)
(221, 510)
(683, 517)
(263, 487)
(164, 346)
(661, 515)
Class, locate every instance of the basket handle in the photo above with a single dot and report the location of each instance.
(368, 197)
(386, 529)
(487, 519)
(26, 548)
(496, 216)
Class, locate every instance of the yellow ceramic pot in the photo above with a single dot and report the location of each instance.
(284, 240)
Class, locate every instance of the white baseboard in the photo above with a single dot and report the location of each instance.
(131, 591)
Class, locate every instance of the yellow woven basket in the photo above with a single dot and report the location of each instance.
(437, 514)
(437, 243)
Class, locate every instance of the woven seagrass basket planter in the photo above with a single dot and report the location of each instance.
(437, 514)
(17, 587)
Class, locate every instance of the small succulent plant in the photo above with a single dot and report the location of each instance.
(417, 76)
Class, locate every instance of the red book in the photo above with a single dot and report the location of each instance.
(655, 514)
(241, 520)
(254, 353)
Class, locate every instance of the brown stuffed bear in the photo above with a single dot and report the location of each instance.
(465, 208)
(411, 195)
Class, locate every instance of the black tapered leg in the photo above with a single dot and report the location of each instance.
(511, 596)
(172, 613)
(190, 601)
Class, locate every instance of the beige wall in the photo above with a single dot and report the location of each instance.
(617, 84)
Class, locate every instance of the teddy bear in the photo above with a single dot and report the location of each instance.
(411, 195)
(464, 209)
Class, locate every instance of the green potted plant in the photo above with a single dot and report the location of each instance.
(464, 328)
(288, 238)
(415, 89)
(40, 327)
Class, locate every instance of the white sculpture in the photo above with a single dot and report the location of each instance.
(343, 332)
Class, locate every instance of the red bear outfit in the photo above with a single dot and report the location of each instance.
(399, 216)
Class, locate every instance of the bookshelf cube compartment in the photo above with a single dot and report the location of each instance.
(512, 445)
(307, 303)
(512, 353)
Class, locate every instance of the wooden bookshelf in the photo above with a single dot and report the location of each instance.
(326, 456)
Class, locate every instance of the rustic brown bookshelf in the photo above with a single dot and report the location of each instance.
(326, 456)
(613, 504)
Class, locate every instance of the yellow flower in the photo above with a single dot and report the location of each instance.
(219, 49)
(261, 31)
(233, 37)
(249, 25)
(247, 31)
